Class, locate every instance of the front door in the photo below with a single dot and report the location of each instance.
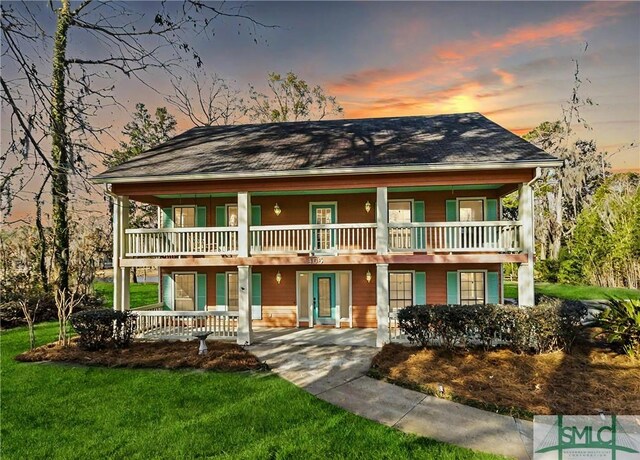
(323, 240)
(324, 298)
(185, 291)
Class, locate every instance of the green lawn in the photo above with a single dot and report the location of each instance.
(141, 294)
(59, 411)
(572, 292)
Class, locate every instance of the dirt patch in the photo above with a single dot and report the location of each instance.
(222, 356)
(587, 381)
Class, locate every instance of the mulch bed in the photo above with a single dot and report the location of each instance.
(586, 381)
(222, 356)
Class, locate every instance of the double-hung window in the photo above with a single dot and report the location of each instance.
(400, 290)
(471, 210)
(184, 216)
(472, 288)
(232, 291)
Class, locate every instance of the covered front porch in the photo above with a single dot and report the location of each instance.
(175, 325)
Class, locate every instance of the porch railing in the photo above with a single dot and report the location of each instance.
(183, 324)
(151, 307)
(182, 241)
(314, 239)
(497, 236)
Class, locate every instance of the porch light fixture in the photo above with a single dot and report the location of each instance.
(367, 206)
(277, 209)
(278, 277)
(368, 276)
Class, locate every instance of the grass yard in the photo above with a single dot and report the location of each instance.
(584, 381)
(573, 292)
(63, 411)
(141, 294)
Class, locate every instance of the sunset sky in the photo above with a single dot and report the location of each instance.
(511, 61)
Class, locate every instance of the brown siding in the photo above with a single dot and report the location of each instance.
(502, 176)
(279, 300)
(351, 207)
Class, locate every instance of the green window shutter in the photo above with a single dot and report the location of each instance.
(256, 296)
(202, 291)
(167, 217)
(452, 216)
(418, 216)
(421, 288)
(221, 216)
(167, 291)
(452, 210)
(452, 288)
(201, 216)
(492, 209)
(493, 288)
(256, 214)
(221, 291)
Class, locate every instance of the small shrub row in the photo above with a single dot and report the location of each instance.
(552, 325)
(103, 328)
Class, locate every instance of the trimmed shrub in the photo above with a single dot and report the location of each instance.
(551, 325)
(104, 328)
(620, 323)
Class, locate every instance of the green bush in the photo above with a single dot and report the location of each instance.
(103, 328)
(547, 270)
(551, 325)
(620, 323)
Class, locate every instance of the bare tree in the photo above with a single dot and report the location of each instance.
(30, 311)
(206, 99)
(51, 112)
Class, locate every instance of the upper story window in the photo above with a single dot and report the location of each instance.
(472, 288)
(232, 215)
(400, 212)
(184, 216)
(471, 210)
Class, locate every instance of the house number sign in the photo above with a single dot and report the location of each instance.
(316, 260)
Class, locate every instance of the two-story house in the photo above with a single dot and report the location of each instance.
(326, 224)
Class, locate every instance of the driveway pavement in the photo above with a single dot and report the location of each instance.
(336, 374)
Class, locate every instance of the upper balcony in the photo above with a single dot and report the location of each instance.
(328, 239)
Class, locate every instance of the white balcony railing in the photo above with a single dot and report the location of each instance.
(496, 236)
(184, 324)
(314, 239)
(182, 241)
(330, 239)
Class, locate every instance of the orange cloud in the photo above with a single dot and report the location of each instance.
(569, 27)
(456, 58)
(506, 77)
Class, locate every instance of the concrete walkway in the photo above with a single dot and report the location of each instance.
(336, 374)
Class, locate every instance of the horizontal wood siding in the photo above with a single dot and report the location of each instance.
(279, 300)
(502, 176)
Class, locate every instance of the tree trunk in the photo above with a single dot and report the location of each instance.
(60, 151)
(134, 274)
(42, 241)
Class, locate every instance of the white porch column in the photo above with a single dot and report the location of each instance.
(525, 270)
(245, 331)
(382, 220)
(124, 271)
(382, 303)
(244, 220)
(115, 233)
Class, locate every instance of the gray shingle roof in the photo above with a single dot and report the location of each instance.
(458, 139)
